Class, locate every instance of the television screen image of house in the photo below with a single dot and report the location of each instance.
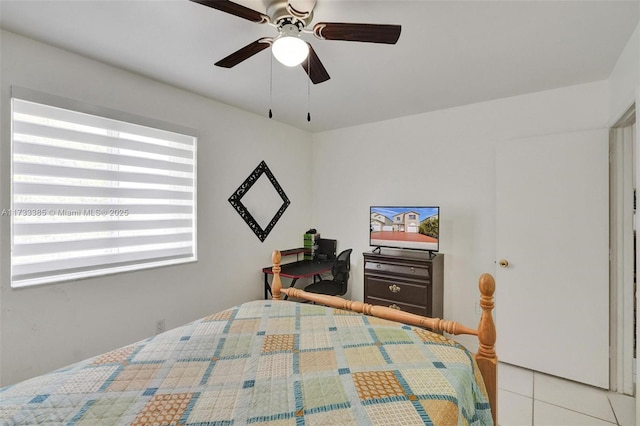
(405, 227)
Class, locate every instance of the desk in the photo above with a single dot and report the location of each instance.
(296, 270)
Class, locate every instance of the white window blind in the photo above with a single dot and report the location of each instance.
(93, 195)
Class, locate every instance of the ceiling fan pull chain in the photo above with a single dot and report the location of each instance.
(271, 88)
(309, 90)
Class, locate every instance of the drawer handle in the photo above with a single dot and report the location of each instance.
(378, 265)
(394, 306)
(394, 288)
(413, 270)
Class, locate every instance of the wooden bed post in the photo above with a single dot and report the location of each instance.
(276, 284)
(486, 357)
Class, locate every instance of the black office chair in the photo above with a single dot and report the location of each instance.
(340, 271)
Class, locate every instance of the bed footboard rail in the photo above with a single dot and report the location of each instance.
(485, 357)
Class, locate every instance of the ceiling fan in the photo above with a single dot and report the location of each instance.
(291, 18)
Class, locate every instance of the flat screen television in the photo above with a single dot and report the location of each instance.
(405, 227)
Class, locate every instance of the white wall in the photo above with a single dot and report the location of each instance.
(451, 155)
(46, 327)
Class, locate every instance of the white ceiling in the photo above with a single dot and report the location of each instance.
(450, 52)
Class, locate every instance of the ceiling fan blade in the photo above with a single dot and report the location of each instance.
(235, 9)
(368, 33)
(314, 68)
(245, 53)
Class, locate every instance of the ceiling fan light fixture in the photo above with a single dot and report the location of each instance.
(289, 49)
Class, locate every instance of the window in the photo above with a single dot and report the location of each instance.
(92, 194)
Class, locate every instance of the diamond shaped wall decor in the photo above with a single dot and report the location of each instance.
(236, 201)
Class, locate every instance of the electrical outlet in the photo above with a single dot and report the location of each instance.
(160, 326)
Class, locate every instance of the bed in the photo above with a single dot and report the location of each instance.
(278, 362)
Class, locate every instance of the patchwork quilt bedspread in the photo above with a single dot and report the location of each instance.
(276, 362)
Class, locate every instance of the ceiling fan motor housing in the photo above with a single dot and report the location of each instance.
(289, 29)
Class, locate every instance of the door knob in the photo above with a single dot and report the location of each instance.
(504, 263)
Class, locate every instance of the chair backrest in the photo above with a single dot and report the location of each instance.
(340, 269)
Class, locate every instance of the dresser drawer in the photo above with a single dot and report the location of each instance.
(371, 267)
(398, 291)
(418, 310)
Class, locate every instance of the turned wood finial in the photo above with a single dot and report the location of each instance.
(487, 285)
(276, 284)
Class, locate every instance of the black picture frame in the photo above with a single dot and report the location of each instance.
(236, 201)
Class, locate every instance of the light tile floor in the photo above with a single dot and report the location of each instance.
(531, 398)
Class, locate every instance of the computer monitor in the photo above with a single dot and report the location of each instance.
(326, 249)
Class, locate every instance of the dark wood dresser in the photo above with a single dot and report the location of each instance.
(411, 282)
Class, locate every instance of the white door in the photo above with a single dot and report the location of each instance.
(552, 226)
